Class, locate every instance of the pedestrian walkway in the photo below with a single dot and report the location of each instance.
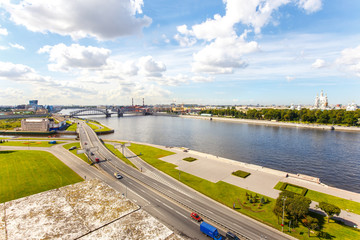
(262, 180)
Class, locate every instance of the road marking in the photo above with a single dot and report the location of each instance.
(210, 211)
(188, 200)
(180, 214)
(142, 191)
(167, 206)
(157, 199)
(131, 183)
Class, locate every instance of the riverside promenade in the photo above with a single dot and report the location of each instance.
(262, 180)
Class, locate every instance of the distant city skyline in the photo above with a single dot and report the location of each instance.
(215, 52)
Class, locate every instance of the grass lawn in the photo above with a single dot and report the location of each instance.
(24, 173)
(119, 154)
(82, 155)
(241, 174)
(72, 127)
(95, 126)
(323, 197)
(294, 189)
(190, 159)
(229, 194)
(29, 143)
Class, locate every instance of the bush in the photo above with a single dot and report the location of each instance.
(241, 174)
(190, 159)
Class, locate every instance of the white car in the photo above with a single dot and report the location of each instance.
(117, 175)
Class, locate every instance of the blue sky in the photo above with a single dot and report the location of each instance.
(188, 51)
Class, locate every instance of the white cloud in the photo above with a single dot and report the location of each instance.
(350, 60)
(150, 67)
(3, 48)
(319, 63)
(3, 31)
(290, 78)
(310, 6)
(202, 79)
(81, 18)
(18, 46)
(65, 58)
(223, 55)
(185, 37)
(19, 72)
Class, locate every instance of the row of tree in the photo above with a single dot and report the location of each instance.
(340, 116)
(296, 208)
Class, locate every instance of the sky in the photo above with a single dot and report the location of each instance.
(216, 52)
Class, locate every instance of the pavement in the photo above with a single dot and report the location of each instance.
(262, 180)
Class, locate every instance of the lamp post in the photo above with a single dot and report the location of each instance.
(282, 224)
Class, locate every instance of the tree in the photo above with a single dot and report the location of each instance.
(278, 210)
(310, 223)
(329, 209)
(298, 207)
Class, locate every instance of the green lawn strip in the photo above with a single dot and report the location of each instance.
(190, 159)
(72, 127)
(41, 138)
(119, 154)
(342, 203)
(240, 173)
(294, 189)
(82, 155)
(93, 126)
(30, 143)
(24, 173)
(228, 194)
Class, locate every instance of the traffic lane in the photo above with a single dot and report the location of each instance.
(258, 229)
(174, 216)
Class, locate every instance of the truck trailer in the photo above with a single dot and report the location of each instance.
(210, 231)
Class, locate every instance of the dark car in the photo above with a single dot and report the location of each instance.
(72, 148)
(231, 236)
(196, 217)
(92, 154)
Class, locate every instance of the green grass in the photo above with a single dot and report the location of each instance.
(30, 143)
(10, 124)
(95, 126)
(342, 203)
(228, 194)
(72, 127)
(24, 173)
(82, 155)
(294, 189)
(119, 154)
(190, 159)
(241, 174)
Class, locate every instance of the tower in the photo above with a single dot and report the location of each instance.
(143, 102)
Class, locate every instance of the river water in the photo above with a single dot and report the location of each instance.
(332, 156)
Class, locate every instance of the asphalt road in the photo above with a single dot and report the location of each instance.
(169, 200)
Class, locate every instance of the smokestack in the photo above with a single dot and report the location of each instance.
(143, 103)
(132, 102)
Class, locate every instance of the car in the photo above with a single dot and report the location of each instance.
(117, 175)
(92, 154)
(231, 236)
(72, 148)
(97, 159)
(196, 217)
(85, 143)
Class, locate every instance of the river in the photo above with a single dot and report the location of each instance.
(330, 155)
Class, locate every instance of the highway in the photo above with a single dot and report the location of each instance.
(169, 200)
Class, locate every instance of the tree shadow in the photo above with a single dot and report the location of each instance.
(6, 152)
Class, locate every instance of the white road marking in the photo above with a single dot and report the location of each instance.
(180, 214)
(168, 206)
(210, 211)
(157, 199)
(131, 183)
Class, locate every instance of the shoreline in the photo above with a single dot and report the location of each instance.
(277, 124)
(307, 181)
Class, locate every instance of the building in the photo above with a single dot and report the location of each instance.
(321, 102)
(35, 124)
(351, 107)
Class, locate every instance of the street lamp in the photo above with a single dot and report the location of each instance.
(282, 224)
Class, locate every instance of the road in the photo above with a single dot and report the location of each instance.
(170, 200)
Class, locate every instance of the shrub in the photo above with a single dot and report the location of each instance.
(190, 159)
(241, 174)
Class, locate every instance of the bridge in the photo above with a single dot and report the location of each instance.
(90, 111)
(119, 111)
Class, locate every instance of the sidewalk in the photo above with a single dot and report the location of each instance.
(262, 180)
